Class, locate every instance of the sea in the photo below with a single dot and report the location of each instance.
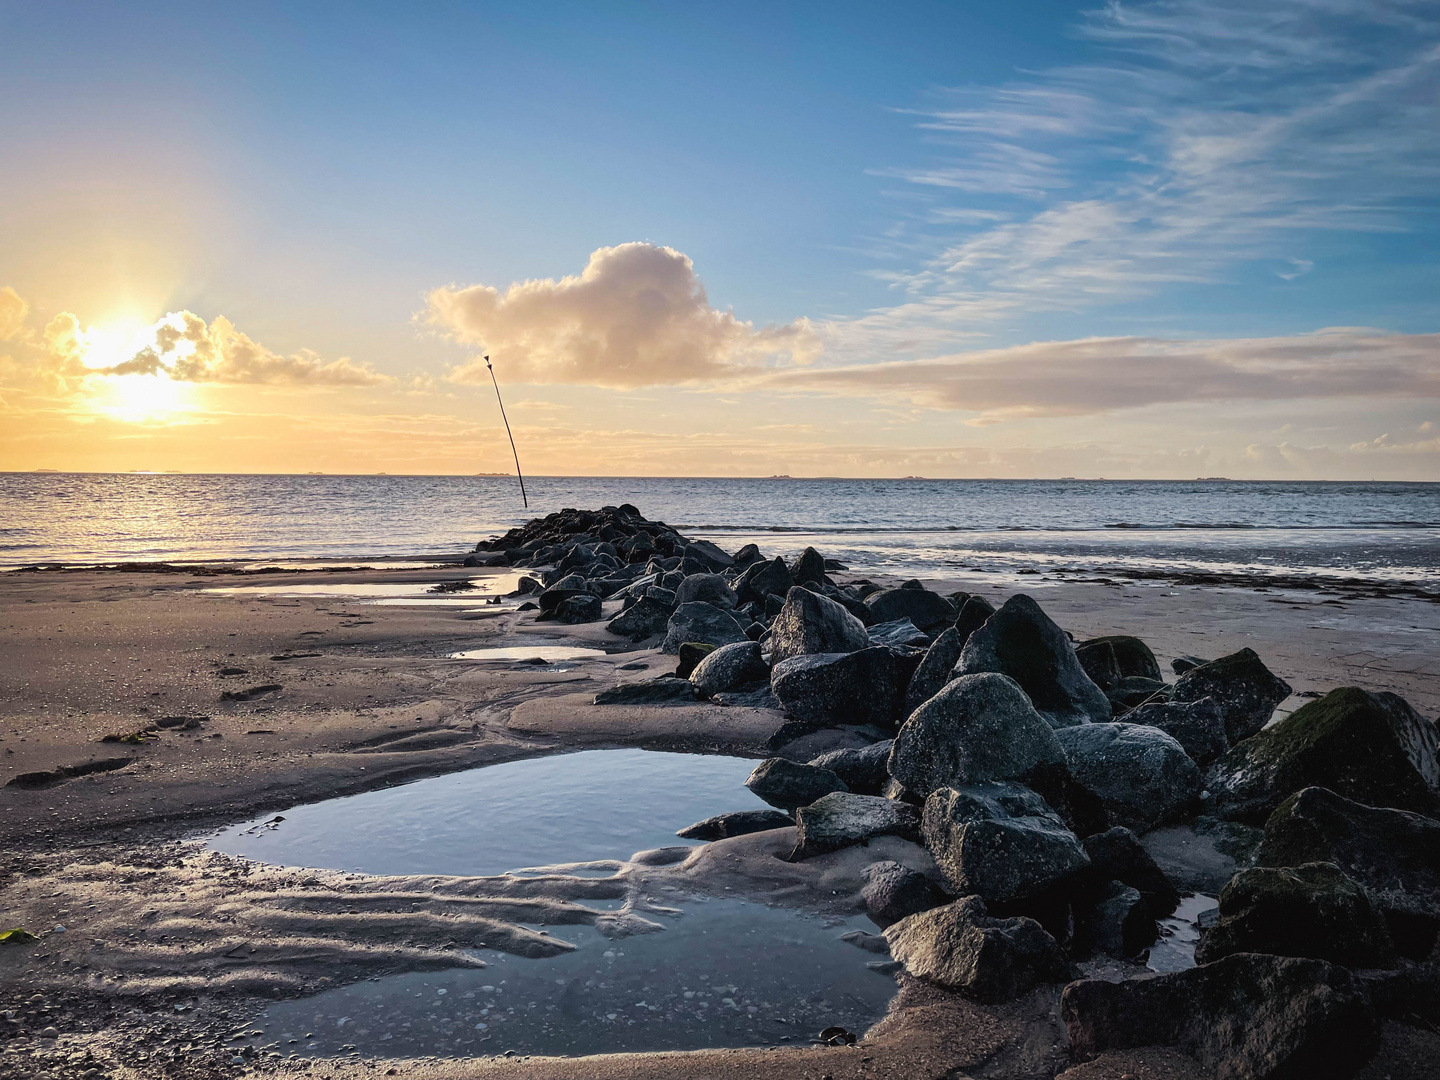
(1376, 532)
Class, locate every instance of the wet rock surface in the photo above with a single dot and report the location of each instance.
(736, 823)
(827, 689)
(843, 818)
(789, 785)
(1143, 777)
(1241, 685)
(864, 770)
(893, 891)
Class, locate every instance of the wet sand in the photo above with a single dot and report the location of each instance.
(96, 653)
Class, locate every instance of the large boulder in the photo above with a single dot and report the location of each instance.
(999, 841)
(930, 611)
(810, 623)
(864, 770)
(1244, 688)
(708, 553)
(979, 727)
(974, 613)
(1098, 660)
(843, 818)
(1143, 777)
(1020, 641)
(1308, 910)
(1393, 853)
(729, 666)
(1246, 1017)
(1198, 726)
(960, 947)
(790, 785)
(1372, 748)
(764, 579)
(893, 891)
(808, 568)
(827, 689)
(707, 589)
(934, 670)
(899, 633)
(736, 823)
(1133, 657)
(703, 623)
(582, 608)
(1117, 855)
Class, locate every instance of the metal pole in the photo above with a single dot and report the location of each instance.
(525, 498)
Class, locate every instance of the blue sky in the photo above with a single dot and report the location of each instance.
(900, 182)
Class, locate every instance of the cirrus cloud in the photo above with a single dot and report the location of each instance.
(637, 315)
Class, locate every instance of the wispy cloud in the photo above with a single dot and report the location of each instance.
(1211, 133)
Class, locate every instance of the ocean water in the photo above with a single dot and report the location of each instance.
(1374, 531)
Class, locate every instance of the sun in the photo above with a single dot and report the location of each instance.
(132, 397)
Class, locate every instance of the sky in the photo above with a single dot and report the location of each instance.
(1160, 238)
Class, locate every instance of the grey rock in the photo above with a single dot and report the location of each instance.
(1244, 688)
(747, 555)
(1135, 690)
(974, 613)
(789, 785)
(979, 727)
(765, 579)
(998, 844)
(1020, 641)
(1120, 921)
(707, 589)
(662, 691)
(737, 823)
(1373, 748)
(1143, 777)
(1117, 855)
(809, 623)
(826, 689)
(708, 553)
(1133, 657)
(1198, 726)
(843, 818)
(930, 611)
(934, 670)
(893, 892)
(864, 770)
(961, 947)
(689, 655)
(1246, 1017)
(729, 666)
(579, 609)
(874, 943)
(644, 618)
(1308, 910)
(898, 632)
(758, 698)
(1098, 660)
(1181, 664)
(703, 623)
(808, 568)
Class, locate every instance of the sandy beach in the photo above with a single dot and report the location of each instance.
(364, 696)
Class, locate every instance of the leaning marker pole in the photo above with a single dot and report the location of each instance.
(524, 498)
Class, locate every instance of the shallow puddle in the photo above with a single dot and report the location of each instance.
(1179, 934)
(405, 593)
(721, 972)
(594, 804)
(522, 653)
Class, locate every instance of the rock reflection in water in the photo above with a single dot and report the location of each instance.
(1179, 934)
(724, 973)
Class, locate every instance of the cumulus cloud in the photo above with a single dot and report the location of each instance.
(13, 310)
(637, 315)
(1095, 375)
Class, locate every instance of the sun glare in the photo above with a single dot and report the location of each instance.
(134, 398)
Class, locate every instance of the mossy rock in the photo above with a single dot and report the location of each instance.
(1372, 748)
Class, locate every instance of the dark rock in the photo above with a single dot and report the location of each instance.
(1120, 923)
(728, 667)
(747, 555)
(864, 770)
(1244, 688)
(907, 659)
(738, 823)
(809, 623)
(979, 727)
(579, 609)
(788, 785)
(999, 841)
(974, 613)
(991, 960)
(706, 552)
(1181, 664)
(1247, 1017)
(662, 691)
(843, 818)
(826, 689)
(689, 656)
(808, 568)
(898, 632)
(1134, 690)
(1309, 910)
(525, 586)
(1098, 660)
(1372, 748)
(1020, 641)
(764, 579)
(758, 698)
(929, 611)
(641, 619)
(1142, 775)
(1198, 726)
(706, 589)
(1117, 855)
(1393, 853)
(774, 604)
(704, 623)
(849, 600)
(874, 943)
(893, 892)
(1133, 658)
(934, 670)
